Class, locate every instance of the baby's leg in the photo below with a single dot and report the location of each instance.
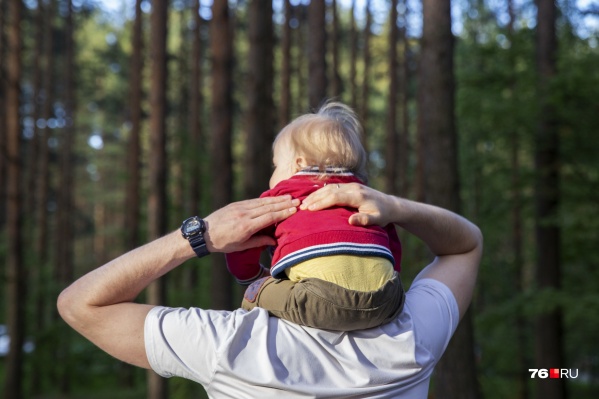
(274, 295)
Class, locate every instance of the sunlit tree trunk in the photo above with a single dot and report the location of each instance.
(285, 100)
(259, 115)
(548, 325)
(391, 142)
(317, 70)
(221, 44)
(15, 270)
(455, 375)
(157, 206)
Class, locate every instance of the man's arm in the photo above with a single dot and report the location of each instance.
(100, 304)
(455, 242)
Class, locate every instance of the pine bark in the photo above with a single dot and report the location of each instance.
(133, 196)
(3, 161)
(364, 103)
(15, 270)
(64, 247)
(259, 116)
(221, 44)
(317, 71)
(404, 99)
(43, 168)
(548, 326)
(157, 206)
(285, 101)
(455, 374)
(336, 82)
(34, 143)
(353, 34)
(392, 139)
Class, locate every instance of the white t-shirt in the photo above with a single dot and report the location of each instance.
(242, 354)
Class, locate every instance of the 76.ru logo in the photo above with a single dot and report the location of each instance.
(553, 373)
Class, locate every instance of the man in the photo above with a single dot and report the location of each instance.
(242, 354)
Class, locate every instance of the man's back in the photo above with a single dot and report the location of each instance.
(249, 355)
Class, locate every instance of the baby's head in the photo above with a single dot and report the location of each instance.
(329, 138)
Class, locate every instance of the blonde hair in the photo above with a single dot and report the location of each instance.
(332, 137)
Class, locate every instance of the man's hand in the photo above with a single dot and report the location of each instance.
(233, 227)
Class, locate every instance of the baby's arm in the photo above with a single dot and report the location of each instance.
(245, 265)
(394, 245)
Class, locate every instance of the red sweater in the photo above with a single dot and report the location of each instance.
(311, 234)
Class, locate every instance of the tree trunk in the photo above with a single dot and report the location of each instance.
(548, 326)
(353, 35)
(196, 135)
(15, 276)
(285, 101)
(34, 143)
(456, 373)
(317, 71)
(44, 152)
(404, 98)
(221, 44)
(178, 142)
(366, 76)
(64, 247)
(3, 160)
(132, 199)
(300, 59)
(391, 147)
(259, 116)
(336, 82)
(133, 165)
(157, 206)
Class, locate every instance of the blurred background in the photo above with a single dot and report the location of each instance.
(120, 119)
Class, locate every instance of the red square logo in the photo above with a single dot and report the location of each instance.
(554, 373)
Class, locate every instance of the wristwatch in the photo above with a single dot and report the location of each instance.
(193, 230)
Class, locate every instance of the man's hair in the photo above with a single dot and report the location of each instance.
(331, 137)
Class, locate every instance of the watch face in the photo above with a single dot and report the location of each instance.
(192, 227)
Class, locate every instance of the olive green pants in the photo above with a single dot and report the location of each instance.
(317, 303)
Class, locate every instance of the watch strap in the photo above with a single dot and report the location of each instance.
(198, 244)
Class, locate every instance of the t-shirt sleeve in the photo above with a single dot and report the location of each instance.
(435, 314)
(185, 342)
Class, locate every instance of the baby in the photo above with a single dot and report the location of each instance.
(325, 272)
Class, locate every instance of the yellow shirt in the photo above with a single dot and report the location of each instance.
(358, 273)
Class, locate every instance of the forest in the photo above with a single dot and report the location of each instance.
(120, 119)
